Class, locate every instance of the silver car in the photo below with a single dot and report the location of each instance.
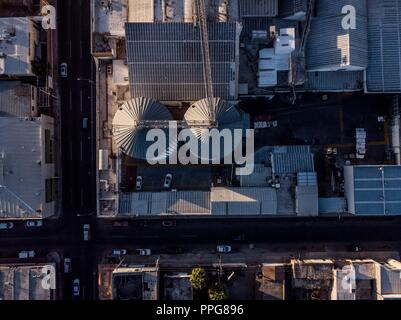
(223, 249)
(63, 70)
(167, 181)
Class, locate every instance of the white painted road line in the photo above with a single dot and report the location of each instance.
(80, 100)
(70, 102)
(151, 237)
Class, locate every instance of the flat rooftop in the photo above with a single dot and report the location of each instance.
(23, 282)
(110, 17)
(15, 99)
(14, 46)
(23, 167)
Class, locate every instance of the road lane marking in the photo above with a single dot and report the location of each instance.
(151, 237)
(80, 100)
(70, 101)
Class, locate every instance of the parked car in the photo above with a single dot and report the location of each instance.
(167, 180)
(67, 265)
(119, 252)
(120, 224)
(76, 287)
(143, 252)
(223, 249)
(87, 229)
(6, 225)
(85, 123)
(27, 254)
(63, 70)
(34, 223)
(138, 184)
(169, 223)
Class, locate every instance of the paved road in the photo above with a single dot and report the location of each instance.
(77, 104)
(78, 161)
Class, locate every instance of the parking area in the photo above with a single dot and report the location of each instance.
(322, 123)
(184, 177)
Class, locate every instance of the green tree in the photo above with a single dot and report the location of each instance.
(218, 292)
(198, 278)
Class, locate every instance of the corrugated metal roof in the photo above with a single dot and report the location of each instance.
(165, 61)
(15, 99)
(288, 8)
(159, 203)
(257, 8)
(332, 205)
(339, 81)
(227, 117)
(377, 190)
(258, 178)
(384, 34)
(306, 179)
(330, 8)
(128, 134)
(390, 280)
(20, 142)
(291, 160)
(306, 199)
(332, 47)
(218, 201)
(243, 201)
(16, 48)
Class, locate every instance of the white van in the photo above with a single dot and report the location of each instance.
(7, 225)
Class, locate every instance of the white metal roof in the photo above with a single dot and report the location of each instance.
(14, 46)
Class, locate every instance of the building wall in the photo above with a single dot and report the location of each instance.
(48, 167)
(349, 188)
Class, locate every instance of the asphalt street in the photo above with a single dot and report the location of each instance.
(77, 93)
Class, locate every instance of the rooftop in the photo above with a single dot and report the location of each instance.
(15, 99)
(23, 167)
(15, 46)
(110, 17)
(218, 201)
(272, 283)
(177, 287)
(373, 190)
(165, 62)
(135, 284)
(23, 282)
(384, 34)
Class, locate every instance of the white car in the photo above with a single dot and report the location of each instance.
(7, 225)
(223, 249)
(138, 185)
(67, 265)
(167, 180)
(119, 252)
(144, 252)
(34, 223)
(76, 287)
(63, 70)
(26, 254)
(87, 229)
